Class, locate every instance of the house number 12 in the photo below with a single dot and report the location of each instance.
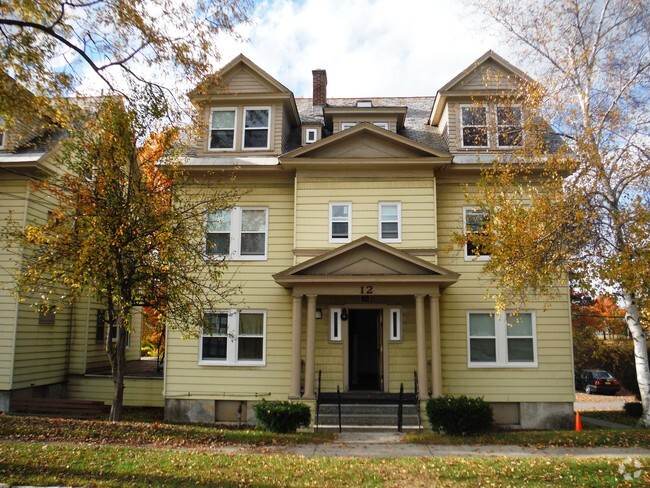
(367, 290)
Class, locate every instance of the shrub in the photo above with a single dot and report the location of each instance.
(282, 417)
(634, 409)
(459, 415)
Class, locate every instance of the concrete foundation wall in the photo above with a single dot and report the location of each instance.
(5, 396)
(546, 415)
(209, 411)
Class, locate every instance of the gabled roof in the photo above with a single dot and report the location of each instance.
(347, 140)
(454, 86)
(236, 63)
(220, 80)
(363, 260)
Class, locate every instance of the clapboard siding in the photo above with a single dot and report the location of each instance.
(183, 374)
(138, 392)
(12, 203)
(551, 380)
(313, 196)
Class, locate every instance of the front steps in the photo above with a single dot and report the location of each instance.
(374, 412)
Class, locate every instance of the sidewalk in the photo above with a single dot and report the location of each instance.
(389, 445)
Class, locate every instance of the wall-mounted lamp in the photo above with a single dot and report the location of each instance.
(344, 314)
(319, 313)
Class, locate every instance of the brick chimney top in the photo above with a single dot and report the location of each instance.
(319, 97)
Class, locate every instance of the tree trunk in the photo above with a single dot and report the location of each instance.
(640, 354)
(117, 356)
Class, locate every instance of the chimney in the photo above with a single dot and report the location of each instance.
(319, 97)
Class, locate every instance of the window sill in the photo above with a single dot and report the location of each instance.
(220, 257)
(470, 259)
(502, 366)
(238, 364)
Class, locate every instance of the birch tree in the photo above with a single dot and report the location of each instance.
(127, 230)
(584, 209)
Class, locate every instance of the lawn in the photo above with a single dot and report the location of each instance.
(117, 466)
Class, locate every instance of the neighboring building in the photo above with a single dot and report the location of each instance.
(342, 246)
(48, 355)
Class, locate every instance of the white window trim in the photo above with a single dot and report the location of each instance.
(521, 124)
(395, 325)
(243, 132)
(337, 239)
(471, 257)
(348, 125)
(235, 140)
(313, 132)
(336, 335)
(487, 124)
(382, 125)
(233, 338)
(501, 333)
(235, 236)
(399, 221)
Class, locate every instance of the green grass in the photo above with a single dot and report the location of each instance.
(556, 438)
(617, 416)
(116, 466)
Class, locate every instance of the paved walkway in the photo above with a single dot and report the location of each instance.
(389, 445)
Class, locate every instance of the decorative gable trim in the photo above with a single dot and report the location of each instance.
(360, 129)
(363, 259)
(448, 89)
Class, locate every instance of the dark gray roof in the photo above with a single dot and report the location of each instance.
(415, 124)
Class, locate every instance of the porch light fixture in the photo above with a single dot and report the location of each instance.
(344, 314)
(319, 313)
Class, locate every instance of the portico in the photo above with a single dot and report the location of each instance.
(367, 281)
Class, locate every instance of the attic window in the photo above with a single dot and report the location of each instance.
(311, 135)
(364, 103)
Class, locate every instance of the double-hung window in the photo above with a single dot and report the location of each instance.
(234, 338)
(237, 233)
(474, 220)
(509, 125)
(390, 221)
(222, 128)
(474, 125)
(256, 128)
(504, 339)
(340, 222)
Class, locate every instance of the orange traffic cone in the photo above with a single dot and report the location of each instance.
(578, 422)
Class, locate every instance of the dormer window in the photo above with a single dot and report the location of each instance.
(364, 103)
(347, 125)
(509, 125)
(474, 125)
(222, 129)
(256, 128)
(311, 136)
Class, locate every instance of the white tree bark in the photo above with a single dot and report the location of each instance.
(640, 354)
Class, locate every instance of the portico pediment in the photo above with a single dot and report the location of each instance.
(366, 260)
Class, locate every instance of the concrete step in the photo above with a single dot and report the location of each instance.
(366, 417)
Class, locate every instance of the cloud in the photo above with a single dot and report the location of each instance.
(368, 47)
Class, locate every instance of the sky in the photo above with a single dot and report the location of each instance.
(369, 48)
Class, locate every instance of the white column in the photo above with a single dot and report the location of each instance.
(311, 347)
(296, 337)
(436, 349)
(421, 346)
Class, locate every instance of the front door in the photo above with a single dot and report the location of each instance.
(365, 340)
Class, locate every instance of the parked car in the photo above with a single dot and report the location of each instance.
(599, 381)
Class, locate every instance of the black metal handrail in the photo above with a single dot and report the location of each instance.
(318, 401)
(416, 401)
(400, 408)
(338, 396)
